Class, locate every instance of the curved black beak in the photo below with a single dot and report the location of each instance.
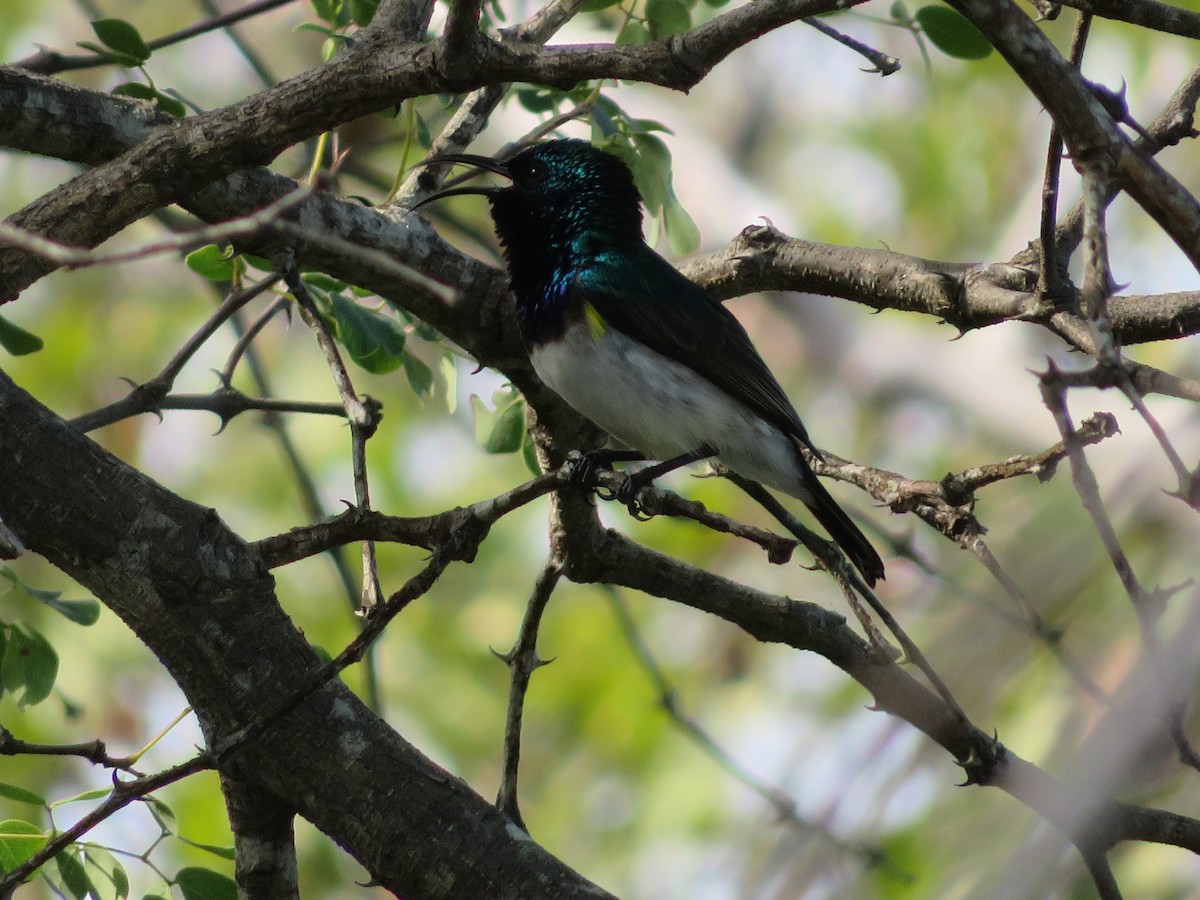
(480, 162)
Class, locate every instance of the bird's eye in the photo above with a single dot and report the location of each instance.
(535, 171)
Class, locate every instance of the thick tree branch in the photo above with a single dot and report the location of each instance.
(374, 73)
(202, 601)
(263, 839)
(1146, 13)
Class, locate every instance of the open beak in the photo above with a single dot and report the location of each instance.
(480, 162)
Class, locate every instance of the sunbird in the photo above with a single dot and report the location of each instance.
(629, 342)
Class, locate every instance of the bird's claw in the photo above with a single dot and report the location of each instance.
(629, 493)
(584, 468)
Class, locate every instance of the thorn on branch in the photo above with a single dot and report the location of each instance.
(884, 64)
(986, 758)
(1116, 105)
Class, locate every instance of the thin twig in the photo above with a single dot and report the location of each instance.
(309, 495)
(1050, 279)
(246, 338)
(93, 751)
(458, 531)
(51, 62)
(223, 232)
(1054, 396)
(883, 63)
(522, 661)
(363, 416)
(123, 793)
(151, 395)
(830, 557)
(252, 57)
(654, 501)
(784, 805)
(1188, 488)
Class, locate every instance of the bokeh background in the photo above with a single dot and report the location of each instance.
(941, 160)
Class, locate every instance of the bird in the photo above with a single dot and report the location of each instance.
(631, 343)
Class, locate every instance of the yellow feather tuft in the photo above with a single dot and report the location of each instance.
(596, 323)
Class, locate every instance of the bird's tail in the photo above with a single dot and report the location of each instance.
(840, 527)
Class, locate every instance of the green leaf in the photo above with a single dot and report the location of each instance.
(374, 340)
(313, 26)
(17, 340)
(424, 137)
(899, 12)
(449, 372)
(120, 59)
(93, 794)
(652, 171)
(163, 814)
(66, 873)
(646, 125)
(168, 104)
(634, 32)
(529, 454)
(197, 883)
(223, 852)
(951, 33)
(420, 376)
(83, 612)
(29, 662)
(136, 90)
(597, 5)
(667, 17)
(121, 37)
(172, 106)
(108, 876)
(20, 795)
(19, 841)
(683, 236)
(537, 99)
(323, 282)
(363, 11)
(325, 9)
(214, 263)
(501, 428)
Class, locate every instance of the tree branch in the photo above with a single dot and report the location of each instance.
(202, 602)
(1147, 13)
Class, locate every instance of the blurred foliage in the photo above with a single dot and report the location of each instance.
(943, 160)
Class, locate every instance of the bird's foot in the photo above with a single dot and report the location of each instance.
(584, 469)
(629, 493)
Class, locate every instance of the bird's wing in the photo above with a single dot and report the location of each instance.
(643, 296)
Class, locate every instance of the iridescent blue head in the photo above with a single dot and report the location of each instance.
(566, 204)
(560, 191)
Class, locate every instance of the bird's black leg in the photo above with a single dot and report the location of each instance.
(628, 492)
(586, 465)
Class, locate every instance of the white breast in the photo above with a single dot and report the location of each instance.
(662, 408)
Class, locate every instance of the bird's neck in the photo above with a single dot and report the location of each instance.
(541, 273)
(548, 246)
